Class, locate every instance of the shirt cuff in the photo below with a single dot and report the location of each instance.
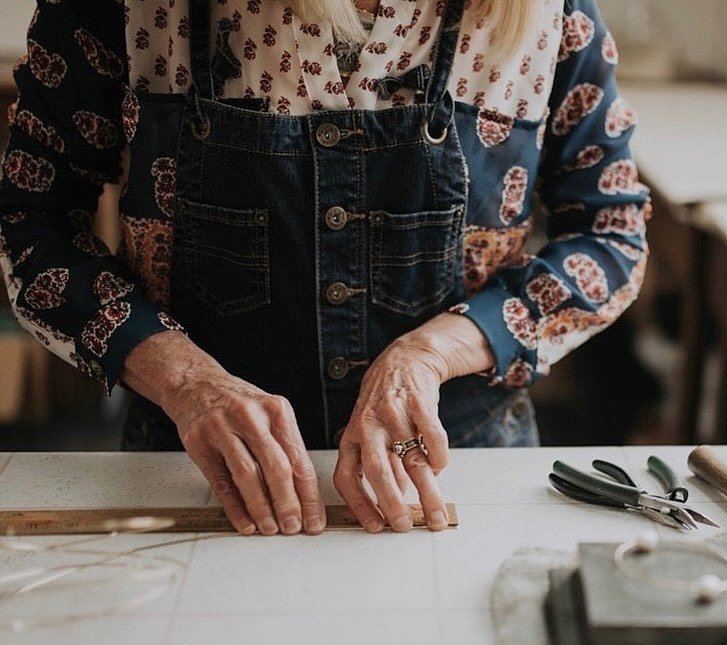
(113, 331)
(511, 332)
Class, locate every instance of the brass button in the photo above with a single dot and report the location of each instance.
(337, 293)
(328, 135)
(336, 218)
(338, 367)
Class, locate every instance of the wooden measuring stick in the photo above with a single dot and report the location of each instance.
(705, 464)
(155, 520)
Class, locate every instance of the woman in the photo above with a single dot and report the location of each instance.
(323, 229)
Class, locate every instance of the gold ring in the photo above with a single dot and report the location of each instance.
(400, 448)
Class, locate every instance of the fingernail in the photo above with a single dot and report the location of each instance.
(269, 526)
(402, 523)
(313, 524)
(439, 520)
(376, 526)
(291, 525)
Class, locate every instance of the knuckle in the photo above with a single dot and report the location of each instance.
(222, 486)
(341, 479)
(281, 469)
(416, 460)
(241, 409)
(305, 474)
(373, 465)
(246, 475)
(279, 405)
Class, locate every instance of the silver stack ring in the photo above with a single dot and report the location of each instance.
(400, 448)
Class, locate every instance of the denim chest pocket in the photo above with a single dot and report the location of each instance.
(225, 254)
(413, 258)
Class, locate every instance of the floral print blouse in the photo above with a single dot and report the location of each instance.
(87, 63)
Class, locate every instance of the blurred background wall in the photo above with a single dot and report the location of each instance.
(659, 375)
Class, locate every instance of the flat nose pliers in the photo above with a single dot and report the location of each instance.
(669, 509)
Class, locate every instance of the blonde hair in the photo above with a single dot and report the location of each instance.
(510, 19)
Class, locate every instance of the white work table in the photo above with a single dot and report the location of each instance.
(343, 586)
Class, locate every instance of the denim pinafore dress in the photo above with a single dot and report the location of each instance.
(304, 245)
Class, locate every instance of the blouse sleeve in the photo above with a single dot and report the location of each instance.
(593, 265)
(66, 140)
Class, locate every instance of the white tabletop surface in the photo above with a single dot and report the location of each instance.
(680, 143)
(340, 587)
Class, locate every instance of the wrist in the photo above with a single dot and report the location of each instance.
(454, 345)
(163, 365)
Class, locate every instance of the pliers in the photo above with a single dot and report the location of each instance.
(669, 509)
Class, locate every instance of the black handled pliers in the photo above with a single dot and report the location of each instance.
(669, 509)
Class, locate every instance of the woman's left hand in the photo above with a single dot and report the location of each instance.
(398, 400)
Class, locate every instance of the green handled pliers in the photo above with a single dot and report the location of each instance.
(669, 509)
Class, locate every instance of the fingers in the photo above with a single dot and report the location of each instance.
(427, 423)
(402, 478)
(380, 474)
(305, 480)
(246, 478)
(228, 495)
(348, 482)
(422, 476)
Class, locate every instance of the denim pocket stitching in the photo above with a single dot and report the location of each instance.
(450, 222)
(257, 260)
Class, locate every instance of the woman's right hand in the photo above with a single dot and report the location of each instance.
(245, 441)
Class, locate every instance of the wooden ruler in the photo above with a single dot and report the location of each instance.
(158, 520)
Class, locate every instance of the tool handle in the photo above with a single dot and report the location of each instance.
(705, 464)
(675, 488)
(577, 493)
(614, 471)
(597, 485)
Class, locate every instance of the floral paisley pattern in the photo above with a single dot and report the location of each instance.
(109, 287)
(48, 67)
(164, 170)
(548, 291)
(619, 118)
(102, 59)
(47, 135)
(577, 105)
(519, 322)
(28, 172)
(555, 97)
(130, 113)
(590, 277)
(493, 128)
(619, 177)
(626, 219)
(513, 195)
(98, 131)
(578, 32)
(97, 331)
(46, 291)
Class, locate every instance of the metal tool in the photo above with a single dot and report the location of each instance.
(180, 520)
(669, 509)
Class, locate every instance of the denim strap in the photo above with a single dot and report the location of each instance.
(445, 49)
(199, 47)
